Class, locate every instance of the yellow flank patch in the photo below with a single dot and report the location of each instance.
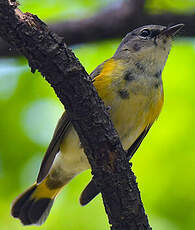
(132, 116)
(103, 81)
(42, 191)
(156, 109)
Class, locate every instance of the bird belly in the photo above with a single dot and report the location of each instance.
(73, 156)
(69, 162)
(131, 116)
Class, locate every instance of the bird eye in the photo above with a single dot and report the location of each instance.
(145, 33)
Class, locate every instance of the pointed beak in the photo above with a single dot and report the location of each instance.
(171, 30)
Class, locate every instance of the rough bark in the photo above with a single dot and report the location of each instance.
(47, 53)
(113, 22)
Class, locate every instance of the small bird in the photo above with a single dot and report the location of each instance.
(130, 84)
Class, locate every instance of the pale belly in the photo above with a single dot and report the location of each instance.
(130, 117)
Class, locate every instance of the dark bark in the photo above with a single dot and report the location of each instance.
(47, 53)
(113, 22)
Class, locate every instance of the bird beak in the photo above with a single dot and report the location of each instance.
(171, 30)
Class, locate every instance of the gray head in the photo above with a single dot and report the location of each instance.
(148, 44)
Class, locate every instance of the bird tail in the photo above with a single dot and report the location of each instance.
(90, 192)
(33, 206)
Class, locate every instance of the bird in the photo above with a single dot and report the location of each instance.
(130, 84)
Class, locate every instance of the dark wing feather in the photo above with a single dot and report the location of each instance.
(61, 130)
(89, 193)
(133, 148)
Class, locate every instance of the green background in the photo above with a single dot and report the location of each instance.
(164, 164)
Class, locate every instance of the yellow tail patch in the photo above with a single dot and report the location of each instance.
(43, 191)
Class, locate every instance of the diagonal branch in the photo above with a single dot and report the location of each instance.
(108, 23)
(108, 26)
(47, 53)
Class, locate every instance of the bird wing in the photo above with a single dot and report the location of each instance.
(133, 148)
(61, 130)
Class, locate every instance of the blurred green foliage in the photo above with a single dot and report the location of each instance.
(176, 6)
(164, 164)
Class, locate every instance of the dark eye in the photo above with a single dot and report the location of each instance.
(144, 33)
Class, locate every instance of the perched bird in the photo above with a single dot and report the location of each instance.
(130, 84)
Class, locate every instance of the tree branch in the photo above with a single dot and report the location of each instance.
(47, 53)
(111, 22)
